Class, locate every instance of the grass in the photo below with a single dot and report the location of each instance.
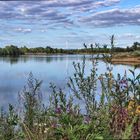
(127, 54)
(136, 53)
(131, 58)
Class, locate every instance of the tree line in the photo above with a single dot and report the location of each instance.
(13, 50)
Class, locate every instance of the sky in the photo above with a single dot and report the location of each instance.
(69, 23)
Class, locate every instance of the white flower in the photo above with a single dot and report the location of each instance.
(35, 124)
(46, 130)
(40, 125)
(45, 124)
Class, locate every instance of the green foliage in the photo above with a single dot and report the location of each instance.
(13, 50)
(10, 50)
(31, 99)
(127, 132)
(136, 53)
(134, 88)
(84, 87)
(8, 124)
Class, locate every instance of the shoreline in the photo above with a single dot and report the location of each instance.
(126, 58)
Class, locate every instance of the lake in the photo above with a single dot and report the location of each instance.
(57, 69)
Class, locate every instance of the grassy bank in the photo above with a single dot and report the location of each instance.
(131, 58)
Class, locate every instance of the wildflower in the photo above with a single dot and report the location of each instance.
(138, 110)
(123, 112)
(129, 108)
(44, 124)
(110, 74)
(87, 119)
(131, 103)
(123, 84)
(53, 125)
(132, 113)
(40, 125)
(58, 110)
(46, 130)
(35, 124)
(69, 109)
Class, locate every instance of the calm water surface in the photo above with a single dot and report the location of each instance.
(55, 68)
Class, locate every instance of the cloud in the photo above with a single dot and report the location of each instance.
(128, 36)
(49, 18)
(50, 11)
(114, 17)
(23, 30)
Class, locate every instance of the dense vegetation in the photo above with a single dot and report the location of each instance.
(115, 115)
(10, 50)
(15, 51)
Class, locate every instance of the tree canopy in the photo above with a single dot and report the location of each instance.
(13, 50)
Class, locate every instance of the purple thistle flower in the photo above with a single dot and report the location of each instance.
(69, 109)
(87, 119)
(123, 84)
(58, 110)
(54, 125)
(123, 112)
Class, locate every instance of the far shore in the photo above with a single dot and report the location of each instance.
(126, 58)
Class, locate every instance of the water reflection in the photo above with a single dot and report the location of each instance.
(14, 72)
(43, 58)
(127, 64)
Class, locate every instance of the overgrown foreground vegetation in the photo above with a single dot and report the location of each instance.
(112, 112)
(115, 115)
